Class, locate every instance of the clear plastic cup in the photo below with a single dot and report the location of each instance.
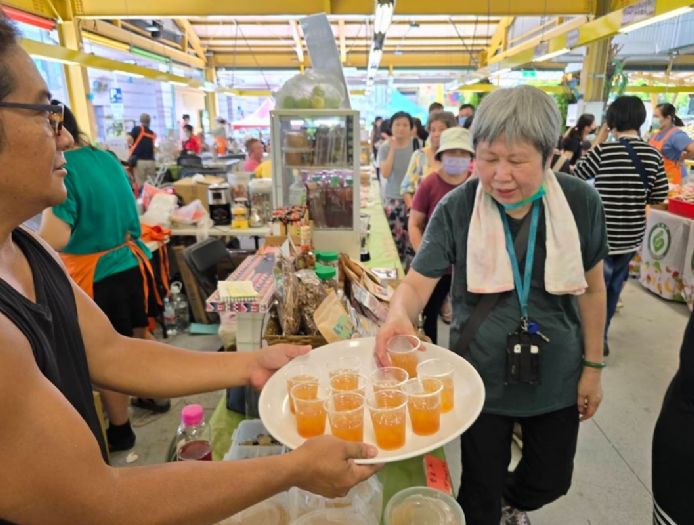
(403, 351)
(388, 409)
(345, 365)
(309, 402)
(349, 382)
(299, 374)
(424, 405)
(388, 378)
(346, 415)
(443, 371)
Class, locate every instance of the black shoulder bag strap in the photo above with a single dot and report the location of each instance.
(488, 301)
(641, 170)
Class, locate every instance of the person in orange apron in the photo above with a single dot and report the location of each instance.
(97, 232)
(673, 143)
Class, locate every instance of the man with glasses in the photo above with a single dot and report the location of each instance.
(55, 343)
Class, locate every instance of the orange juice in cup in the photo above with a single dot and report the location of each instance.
(348, 382)
(424, 405)
(388, 378)
(299, 374)
(388, 409)
(403, 351)
(442, 370)
(346, 415)
(309, 402)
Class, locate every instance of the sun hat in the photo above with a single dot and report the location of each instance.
(455, 138)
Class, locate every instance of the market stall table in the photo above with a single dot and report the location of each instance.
(667, 257)
(224, 231)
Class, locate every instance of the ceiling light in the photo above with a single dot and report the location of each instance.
(27, 18)
(179, 84)
(655, 19)
(384, 15)
(106, 42)
(503, 71)
(124, 73)
(153, 26)
(148, 54)
(553, 54)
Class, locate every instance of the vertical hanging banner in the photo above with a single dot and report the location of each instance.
(322, 49)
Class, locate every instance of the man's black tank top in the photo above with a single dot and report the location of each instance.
(51, 326)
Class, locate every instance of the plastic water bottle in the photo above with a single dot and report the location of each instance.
(193, 436)
(180, 306)
(297, 191)
(170, 322)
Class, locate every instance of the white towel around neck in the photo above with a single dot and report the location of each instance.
(488, 264)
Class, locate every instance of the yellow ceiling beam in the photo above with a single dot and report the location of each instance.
(488, 88)
(107, 30)
(288, 60)
(36, 7)
(191, 38)
(186, 8)
(498, 42)
(74, 57)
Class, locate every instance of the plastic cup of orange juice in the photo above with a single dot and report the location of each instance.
(388, 378)
(403, 352)
(299, 374)
(349, 382)
(309, 402)
(388, 410)
(442, 370)
(348, 364)
(346, 415)
(424, 404)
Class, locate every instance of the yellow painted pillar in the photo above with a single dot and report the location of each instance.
(77, 80)
(593, 74)
(211, 97)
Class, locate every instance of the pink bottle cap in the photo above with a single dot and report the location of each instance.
(192, 415)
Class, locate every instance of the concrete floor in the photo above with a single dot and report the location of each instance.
(611, 484)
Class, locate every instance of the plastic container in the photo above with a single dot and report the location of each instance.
(419, 505)
(327, 275)
(170, 323)
(297, 191)
(238, 185)
(261, 198)
(251, 430)
(180, 307)
(329, 259)
(193, 436)
(335, 517)
(273, 511)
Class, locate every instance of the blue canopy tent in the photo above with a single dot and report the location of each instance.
(399, 102)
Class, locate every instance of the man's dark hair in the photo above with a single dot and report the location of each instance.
(402, 114)
(466, 106)
(435, 106)
(188, 127)
(626, 113)
(185, 117)
(8, 38)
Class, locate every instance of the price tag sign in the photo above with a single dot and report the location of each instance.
(637, 12)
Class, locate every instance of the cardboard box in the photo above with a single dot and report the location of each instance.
(189, 190)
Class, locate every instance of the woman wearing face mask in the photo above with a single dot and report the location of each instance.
(571, 143)
(455, 156)
(526, 246)
(423, 161)
(674, 144)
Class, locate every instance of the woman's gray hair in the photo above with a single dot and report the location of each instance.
(520, 114)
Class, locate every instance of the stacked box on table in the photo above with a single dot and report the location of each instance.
(249, 430)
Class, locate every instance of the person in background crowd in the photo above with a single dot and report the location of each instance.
(221, 143)
(376, 142)
(419, 132)
(141, 143)
(254, 154)
(386, 132)
(454, 158)
(264, 169)
(435, 106)
(571, 143)
(393, 159)
(673, 454)
(629, 176)
(55, 343)
(185, 121)
(423, 161)
(191, 144)
(97, 231)
(465, 113)
(472, 230)
(674, 144)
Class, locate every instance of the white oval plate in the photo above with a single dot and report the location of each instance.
(469, 399)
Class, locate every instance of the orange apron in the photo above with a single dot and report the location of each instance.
(160, 235)
(673, 169)
(82, 269)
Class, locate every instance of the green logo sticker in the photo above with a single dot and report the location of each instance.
(659, 241)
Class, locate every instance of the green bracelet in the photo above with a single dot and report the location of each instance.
(594, 364)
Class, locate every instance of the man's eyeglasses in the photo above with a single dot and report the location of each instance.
(56, 112)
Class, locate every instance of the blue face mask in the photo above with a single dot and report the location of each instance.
(455, 166)
(535, 196)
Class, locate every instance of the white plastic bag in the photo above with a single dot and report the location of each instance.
(160, 209)
(311, 90)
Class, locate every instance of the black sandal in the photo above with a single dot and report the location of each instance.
(151, 404)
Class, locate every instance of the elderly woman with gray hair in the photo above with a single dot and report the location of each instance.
(526, 246)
